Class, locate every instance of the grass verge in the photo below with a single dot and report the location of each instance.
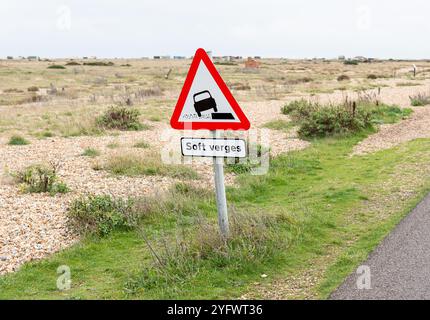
(150, 165)
(319, 193)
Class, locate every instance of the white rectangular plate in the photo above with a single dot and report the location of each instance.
(212, 147)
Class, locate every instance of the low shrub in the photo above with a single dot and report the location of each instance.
(56, 66)
(372, 76)
(121, 118)
(420, 99)
(13, 90)
(73, 63)
(407, 84)
(316, 120)
(41, 179)
(298, 109)
(351, 62)
(100, 215)
(33, 89)
(334, 120)
(99, 63)
(18, 141)
(343, 77)
(46, 134)
(91, 152)
(59, 187)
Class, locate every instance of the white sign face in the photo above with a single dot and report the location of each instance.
(211, 147)
(205, 101)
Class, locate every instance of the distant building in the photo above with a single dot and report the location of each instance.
(178, 57)
(252, 63)
(231, 58)
(32, 58)
(161, 57)
(9, 58)
(360, 58)
(341, 58)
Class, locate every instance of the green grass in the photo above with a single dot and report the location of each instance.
(18, 141)
(113, 145)
(390, 114)
(46, 134)
(150, 165)
(325, 193)
(420, 100)
(359, 251)
(91, 152)
(280, 125)
(141, 145)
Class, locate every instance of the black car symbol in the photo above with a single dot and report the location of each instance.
(203, 102)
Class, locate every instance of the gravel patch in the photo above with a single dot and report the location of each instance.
(388, 136)
(33, 226)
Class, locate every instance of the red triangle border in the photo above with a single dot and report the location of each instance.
(244, 123)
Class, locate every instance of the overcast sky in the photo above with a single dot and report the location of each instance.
(269, 28)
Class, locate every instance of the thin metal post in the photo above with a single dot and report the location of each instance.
(221, 200)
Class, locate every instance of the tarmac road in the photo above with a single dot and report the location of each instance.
(400, 266)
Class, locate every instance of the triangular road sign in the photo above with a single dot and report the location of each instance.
(205, 101)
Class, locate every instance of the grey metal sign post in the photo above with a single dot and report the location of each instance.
(206, 103)
(221, 199)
